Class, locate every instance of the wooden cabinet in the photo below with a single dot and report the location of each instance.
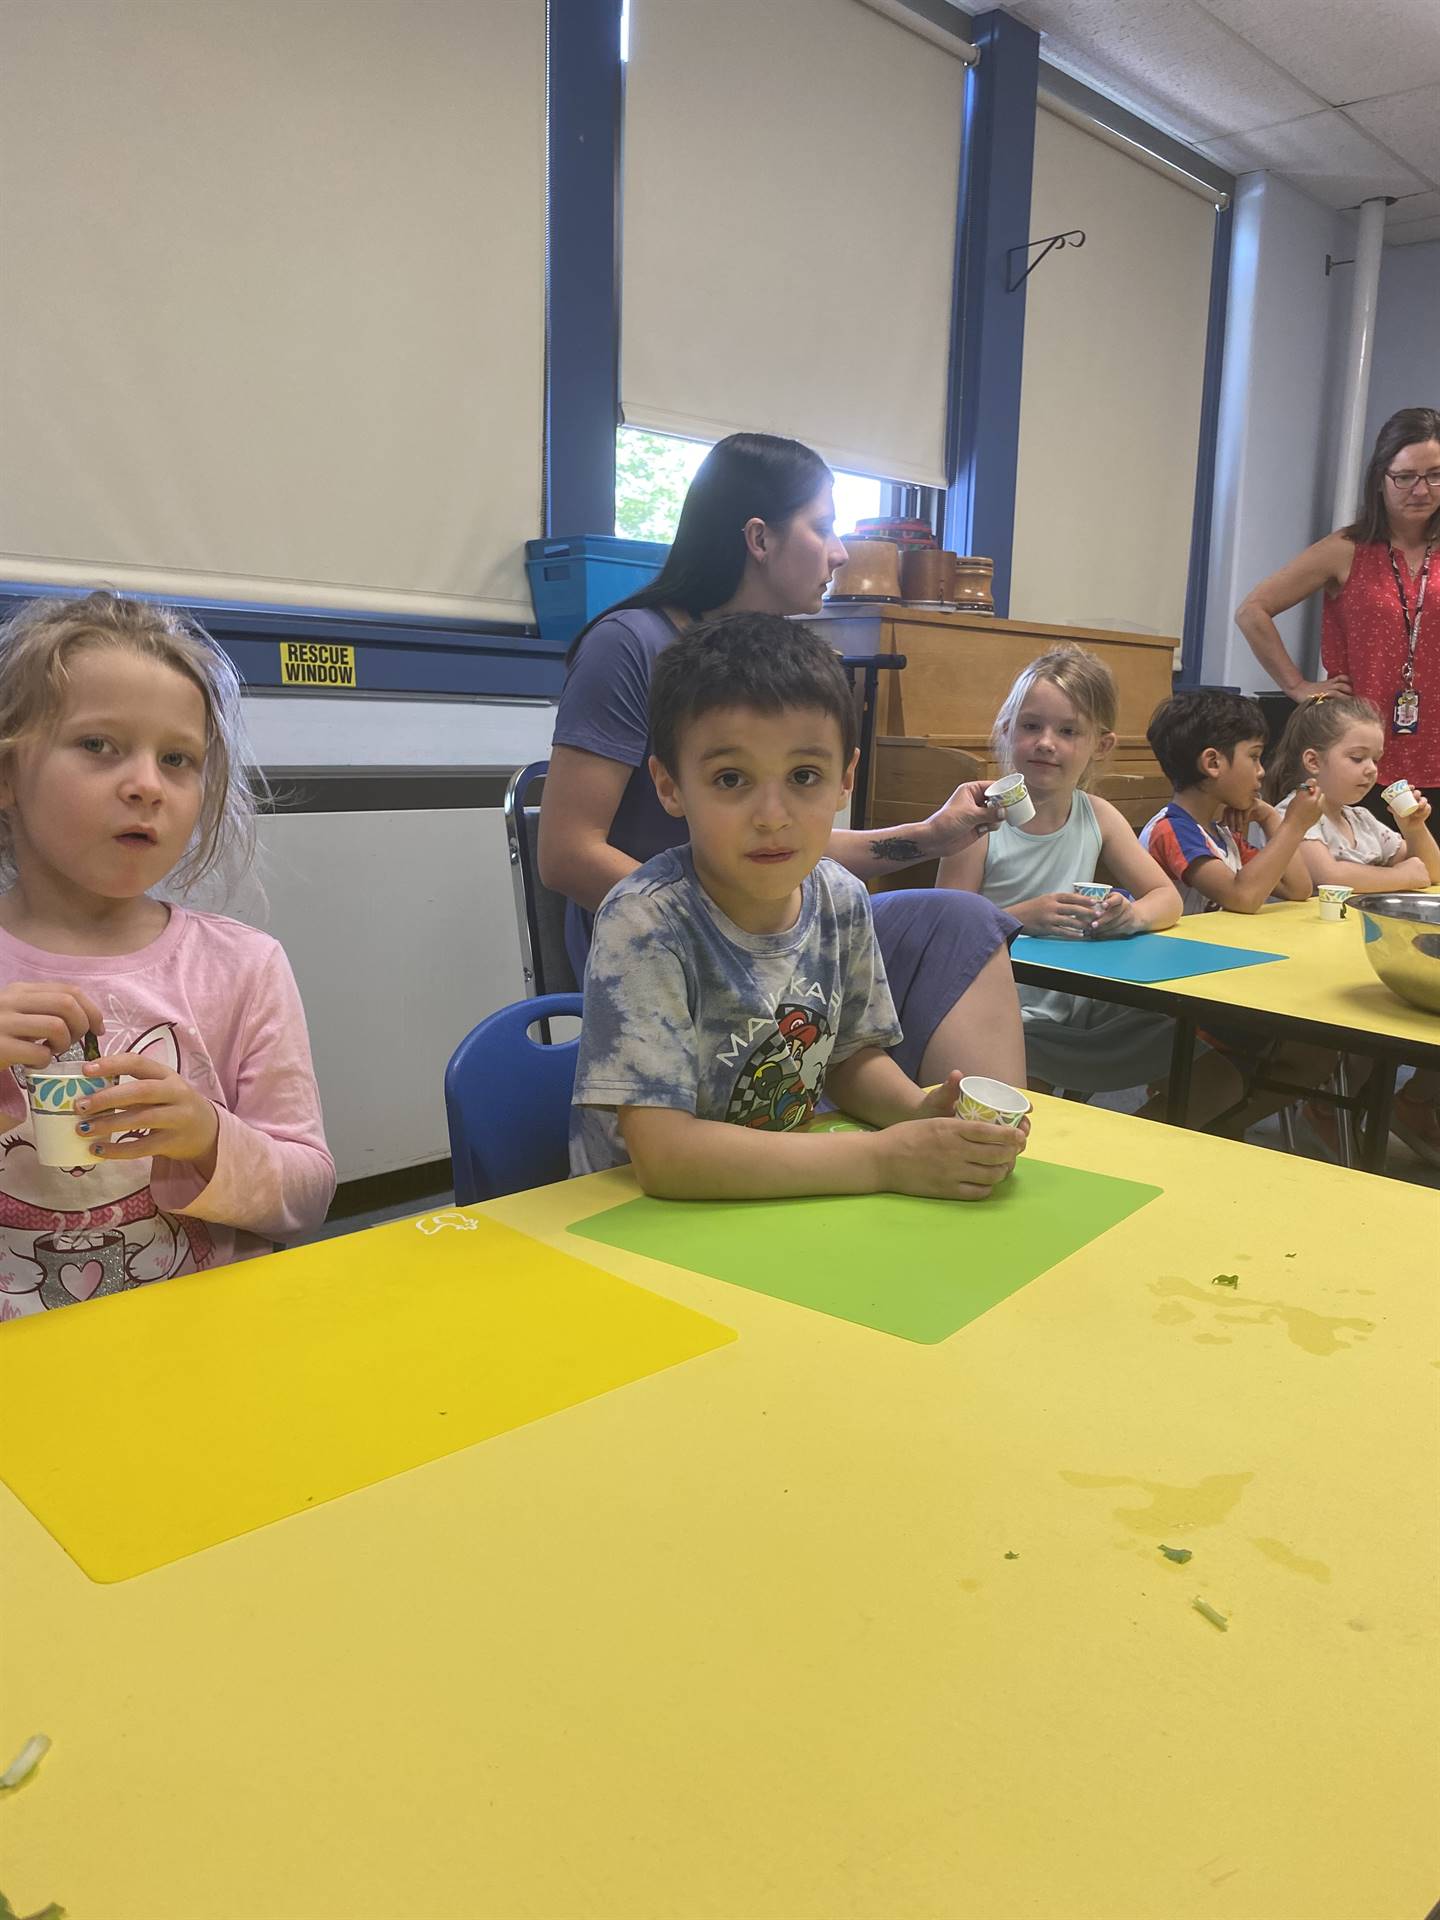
(934, 718)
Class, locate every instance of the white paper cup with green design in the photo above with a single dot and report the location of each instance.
(985, 1099)
(1401, 798)
(53, 1092)
(1014, 796)
(1332, 901)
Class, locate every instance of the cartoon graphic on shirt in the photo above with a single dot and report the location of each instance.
(69, 1234)
(782, 1077)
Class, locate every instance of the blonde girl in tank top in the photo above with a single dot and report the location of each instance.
(1056, 726)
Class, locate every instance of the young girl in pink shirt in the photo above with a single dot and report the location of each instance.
(120, 768)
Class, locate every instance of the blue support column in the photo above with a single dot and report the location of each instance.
(988, 330)
(1193, 641)
(582, 343)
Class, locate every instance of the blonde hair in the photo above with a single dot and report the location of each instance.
(1084, 679)
(1317, 723)
(38, 642)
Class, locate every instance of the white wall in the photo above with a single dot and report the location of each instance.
(1279, 413)
(400, 925)
(1406, 372)
(348, 730)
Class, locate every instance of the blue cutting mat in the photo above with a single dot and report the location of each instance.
(1143, 959)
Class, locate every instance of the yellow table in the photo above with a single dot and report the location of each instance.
(1324, 991)
(821, 1623)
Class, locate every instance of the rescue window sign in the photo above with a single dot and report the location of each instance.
(316, 663)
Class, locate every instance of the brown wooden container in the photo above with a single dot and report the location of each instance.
(974, 579)
(871, 572)
(926, 573)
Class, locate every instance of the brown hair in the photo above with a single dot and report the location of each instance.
(37, 643)
(1408, 428)
(1316, 723)
(761, 661)
(1084, 679)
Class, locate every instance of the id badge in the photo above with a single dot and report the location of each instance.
(1407, 712)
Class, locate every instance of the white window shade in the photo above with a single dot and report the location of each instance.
(790, 187)
(1110, 398)
(273, 317)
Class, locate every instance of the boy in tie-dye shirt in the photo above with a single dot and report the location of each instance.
(733, 981)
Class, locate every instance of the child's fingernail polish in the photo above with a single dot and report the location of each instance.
(84, 1127)
(98, 1147)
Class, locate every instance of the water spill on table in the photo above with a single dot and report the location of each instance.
(1205, 1504)
(1318, 1333)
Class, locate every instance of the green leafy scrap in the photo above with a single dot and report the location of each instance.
(1226, 1280)
(1178, 1554)
(52, 1912)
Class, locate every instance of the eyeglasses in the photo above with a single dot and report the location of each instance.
(1408, 482)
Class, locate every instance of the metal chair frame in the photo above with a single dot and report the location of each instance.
(545, 964)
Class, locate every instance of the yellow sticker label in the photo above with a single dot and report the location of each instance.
(316, 663)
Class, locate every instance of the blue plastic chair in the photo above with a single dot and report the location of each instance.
(507, 1101)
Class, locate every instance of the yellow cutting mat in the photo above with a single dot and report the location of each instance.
(143, 1427)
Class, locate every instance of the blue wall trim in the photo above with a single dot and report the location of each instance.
(392, 656)
(1196, 586)
(582, 328)
(988, 325)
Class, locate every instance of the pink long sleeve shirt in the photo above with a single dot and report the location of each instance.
(216, 1001)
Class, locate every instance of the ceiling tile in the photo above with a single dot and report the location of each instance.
(1323, 154)
(1169, 61)
(1408, 123)
(1413, 233)
(1341, 52)
(1414, 206)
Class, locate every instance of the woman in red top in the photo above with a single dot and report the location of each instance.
(1380, 638)
(1376, 577)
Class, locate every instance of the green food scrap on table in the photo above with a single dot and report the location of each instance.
(1012, 1556)
(1178, 1554)
(1226, 1280)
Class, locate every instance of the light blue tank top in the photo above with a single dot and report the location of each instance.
(1020, 865)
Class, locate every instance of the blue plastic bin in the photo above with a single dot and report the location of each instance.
(572, 580)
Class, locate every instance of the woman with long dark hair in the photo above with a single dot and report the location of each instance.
(757, 534)
(1380, 640)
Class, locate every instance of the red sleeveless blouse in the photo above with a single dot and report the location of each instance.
(1363, 635)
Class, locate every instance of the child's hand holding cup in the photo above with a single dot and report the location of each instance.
(1094, 891)
(52, 1092)
(1401, 798)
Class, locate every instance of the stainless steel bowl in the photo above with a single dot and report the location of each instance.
(1402, 943)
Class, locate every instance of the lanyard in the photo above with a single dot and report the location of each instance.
(1412, 625)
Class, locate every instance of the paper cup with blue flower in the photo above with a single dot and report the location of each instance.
(53, 1091)
(1332, 901)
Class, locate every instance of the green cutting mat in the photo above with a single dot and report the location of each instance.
(921, 1269)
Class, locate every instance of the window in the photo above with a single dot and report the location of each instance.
(653, 471)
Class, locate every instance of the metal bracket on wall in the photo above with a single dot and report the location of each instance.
(1331, 264)
(1049, 245)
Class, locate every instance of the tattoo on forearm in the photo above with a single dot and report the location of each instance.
(900, 851)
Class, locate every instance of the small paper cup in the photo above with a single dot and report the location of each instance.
(1332, 901)
(1401, 798)
(1014, 796)
(985, 1099)
(53, 1092)
(1094, 890)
